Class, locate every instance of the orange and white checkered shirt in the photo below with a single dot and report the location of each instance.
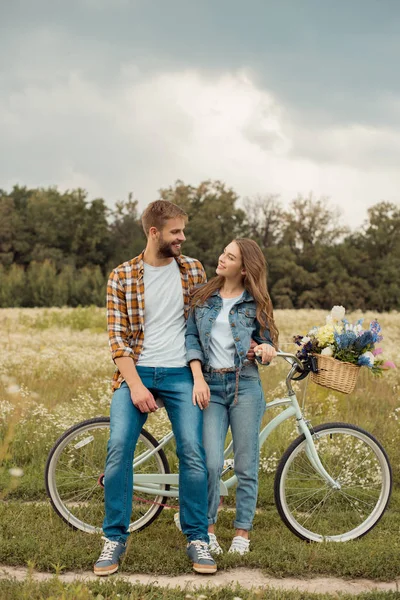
(125, 305)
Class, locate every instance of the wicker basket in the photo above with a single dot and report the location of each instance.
(335, 374)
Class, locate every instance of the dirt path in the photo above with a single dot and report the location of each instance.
(247, 578)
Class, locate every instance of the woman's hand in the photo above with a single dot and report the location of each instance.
(201, 393)
(266, 351)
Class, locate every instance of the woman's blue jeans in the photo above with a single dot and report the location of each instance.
(174, 386)
(244, 419)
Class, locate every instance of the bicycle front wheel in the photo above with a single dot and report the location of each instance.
(310, 507)
(75, 471)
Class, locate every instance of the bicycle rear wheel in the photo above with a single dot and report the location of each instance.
(75, 470)
(310, 507)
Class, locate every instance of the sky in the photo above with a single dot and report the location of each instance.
(280, 97)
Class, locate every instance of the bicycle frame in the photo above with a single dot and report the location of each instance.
(151, 483)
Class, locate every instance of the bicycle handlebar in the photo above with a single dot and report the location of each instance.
(290, 358)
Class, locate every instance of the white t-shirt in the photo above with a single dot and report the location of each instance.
(164, 320)
(222, 346)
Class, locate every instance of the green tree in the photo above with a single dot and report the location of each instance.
(127, 238)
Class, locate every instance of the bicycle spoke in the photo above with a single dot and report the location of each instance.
(352, 458)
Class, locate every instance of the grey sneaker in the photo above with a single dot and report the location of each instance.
(239, 545)
(109, 558)
(213, 545)
(200, 556)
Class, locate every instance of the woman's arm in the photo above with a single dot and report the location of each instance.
(194, 350)
(195, 358)
(265, 338)
(265, 348)
(201, 391)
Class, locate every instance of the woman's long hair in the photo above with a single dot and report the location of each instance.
(254, 281)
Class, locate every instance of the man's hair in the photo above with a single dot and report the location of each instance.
(157, 213)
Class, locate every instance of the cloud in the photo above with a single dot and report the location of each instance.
(150, 128)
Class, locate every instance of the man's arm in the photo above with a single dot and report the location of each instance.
(122, 353)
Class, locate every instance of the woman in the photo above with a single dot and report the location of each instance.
(227, 313)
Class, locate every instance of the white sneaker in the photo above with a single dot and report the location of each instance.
(213, 545)
(240, 545)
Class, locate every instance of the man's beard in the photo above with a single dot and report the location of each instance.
(166, 250)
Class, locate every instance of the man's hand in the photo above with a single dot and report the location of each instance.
(201, 392)
(143, 399)
(266, 351)
(250, 354)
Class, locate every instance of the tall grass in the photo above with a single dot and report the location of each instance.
(55, 370)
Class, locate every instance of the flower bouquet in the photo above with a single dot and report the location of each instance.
(341, 348)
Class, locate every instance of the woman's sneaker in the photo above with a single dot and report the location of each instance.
(109, 558)
(213, 545)
(240, 545)
(201, 558)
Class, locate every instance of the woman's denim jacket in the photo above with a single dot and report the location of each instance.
(242, 319)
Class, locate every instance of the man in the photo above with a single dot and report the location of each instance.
(147, 303)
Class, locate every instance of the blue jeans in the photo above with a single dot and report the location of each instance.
(244, 419)
(174, 386)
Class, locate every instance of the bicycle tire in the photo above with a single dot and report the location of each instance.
(73, 473)
(312, 509)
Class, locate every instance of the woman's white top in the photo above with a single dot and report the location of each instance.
(164, 319)
(222, 346)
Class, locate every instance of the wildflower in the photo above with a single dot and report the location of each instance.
(328, 351)
(16, 472)
(367, 359)
(345, 340)
(337, 313)
(364, 340)
(375, 329)
(13, 389)
(388, 364)
(377, 351)
(325, 335)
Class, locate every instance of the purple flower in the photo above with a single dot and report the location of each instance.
(375, 329)
(377, 351)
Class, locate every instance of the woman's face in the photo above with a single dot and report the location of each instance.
(230, 262)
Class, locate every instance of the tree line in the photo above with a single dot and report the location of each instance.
(57, 249)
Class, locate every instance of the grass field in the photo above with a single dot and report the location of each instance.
(55, 370)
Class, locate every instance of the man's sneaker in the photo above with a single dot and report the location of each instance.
(213, 545)
(201, 558)
(240, 545)
(109, 558)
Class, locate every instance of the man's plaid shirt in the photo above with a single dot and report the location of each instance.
(125, 305)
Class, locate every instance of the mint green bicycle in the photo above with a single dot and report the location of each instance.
(333, 483)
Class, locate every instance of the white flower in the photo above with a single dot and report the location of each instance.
(370, 356)
(13, 389)
(337, 313)
(305, 339)
(328, 351)
(16, 472)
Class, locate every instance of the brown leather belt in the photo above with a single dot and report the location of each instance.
(227, 370)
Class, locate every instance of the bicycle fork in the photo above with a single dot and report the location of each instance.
(312, 454)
